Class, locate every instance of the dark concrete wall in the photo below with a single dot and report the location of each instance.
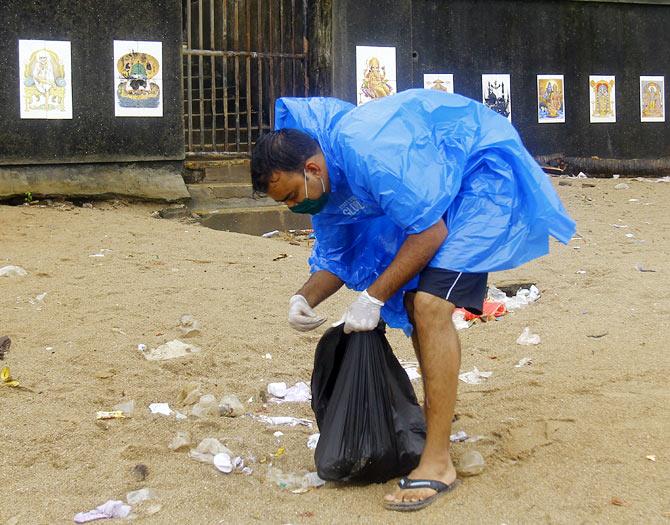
(522, 38)
(94, 134)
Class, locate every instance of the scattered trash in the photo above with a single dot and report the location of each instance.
(313, 440)
(268, 357)
(598, 336)
(161, 408)
(523, 362)
(490, 311)
(458, 318)
(298, 393)
(526, 338)
(283, 420)
(12, 271)
(5, 343)
(112, 414)
(471, 463)
(458, 437)
(582, 175)
(206, 406)
(190, 394)
(296, 483)
(207, 449)
(108, 510)
(230, 406)
(182, 439)
(651, 457)
(223, 463)
(621, 186)
(412, 372)
(638, 267)
(6, 377)
(620, 225)
(140, 472)
(474, 377)
(136, 497)
(273, 233)
(581, 272)
(170, 350)
(633, 200)
(39, 299)
(126, 407)
(630, 235)
(523, 297)
(619, 502)
(189, 326)
(616, 176)
(281, 256)
(101, 253)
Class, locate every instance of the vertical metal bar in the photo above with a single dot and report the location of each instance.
(236, 45)
(201, 80)
(271, 63)
(305, 47)
(293, 60)
(212, 60)
(282, 84)
(259, 44)
(189, 77)
(224, 46)
(248, 67)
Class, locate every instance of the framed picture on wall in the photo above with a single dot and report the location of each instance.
(138, 78)
(652, 99)
(375, 73)
(497, 94)
(550, 99)
(45, 76)
(602, 97)
(439, 82)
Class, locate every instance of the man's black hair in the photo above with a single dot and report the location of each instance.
(282, 150)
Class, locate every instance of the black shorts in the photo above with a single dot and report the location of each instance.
(465, 290)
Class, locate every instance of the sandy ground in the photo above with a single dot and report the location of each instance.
(587, 422)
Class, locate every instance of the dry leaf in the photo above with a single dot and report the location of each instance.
(619, 502)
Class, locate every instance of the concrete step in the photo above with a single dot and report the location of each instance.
(220, 190)
(229, 170)
(255, 220)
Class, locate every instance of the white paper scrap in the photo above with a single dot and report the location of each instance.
(474, 377)
(161, 408)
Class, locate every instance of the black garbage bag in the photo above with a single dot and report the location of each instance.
(372, 427)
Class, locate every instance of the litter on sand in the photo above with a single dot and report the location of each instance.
(12, 271)
(160, 408)
(284, 420)
(298, 393)
(527, 338)
(108, 510)
(170, 350)
(458, 437)
(474, 377)
(523, 297)
(523, 362)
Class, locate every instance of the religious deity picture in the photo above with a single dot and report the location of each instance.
(138, 79)
(45, 78)
(652, 99)
(496, 94)
(375, 73)
(439, 82)
(603, 98)
(550, 99)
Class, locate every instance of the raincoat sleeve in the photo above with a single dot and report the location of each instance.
(396, 163)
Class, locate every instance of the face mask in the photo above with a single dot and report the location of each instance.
(311, 206)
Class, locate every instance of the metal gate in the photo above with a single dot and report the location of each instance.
(239, 56)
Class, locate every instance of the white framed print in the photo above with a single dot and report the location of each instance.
(602, 98)
(652, 99)
(550, 99)
(497, 94)
(375, 73)
(45, 89)
(138, 78)
(439, 82)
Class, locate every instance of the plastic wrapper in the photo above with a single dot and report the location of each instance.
(372, 427)
(399, 164)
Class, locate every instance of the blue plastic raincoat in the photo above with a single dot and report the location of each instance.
(398, 164)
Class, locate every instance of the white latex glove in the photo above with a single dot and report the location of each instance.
(363, 314)
(301, 316)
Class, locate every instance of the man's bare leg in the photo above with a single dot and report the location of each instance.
(439, 354)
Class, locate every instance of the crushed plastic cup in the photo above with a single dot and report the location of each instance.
(206, 406)
(231, 406)
(12, 271)
(161, 408)
(527, 338)
(182, 439)
(127, 407)
(207, 449)
(313, 441)
(136, 497)
(294, 482)
(223, 463)
(190, 394)
(475, 376)
(189, 326)
(471, 463)
(171, 350)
